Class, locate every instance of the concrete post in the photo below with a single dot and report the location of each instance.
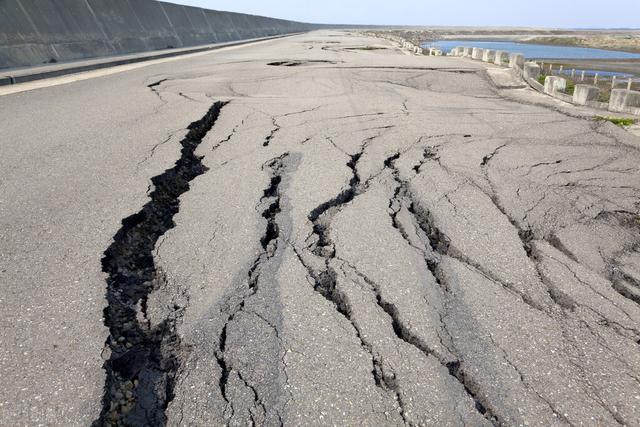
(585, 93)
(477, 53)
(542, 65)
(516, 60)
(466, 52)
(489, 55)
(595, 79)
(629, 84)
(501, 57)
(561, 69)
(573, 73)
(622, 99)
(553, 84)
(582, 78)
(613, 82)
(531, 70)
(550, 69)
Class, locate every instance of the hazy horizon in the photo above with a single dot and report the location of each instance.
(457, 13)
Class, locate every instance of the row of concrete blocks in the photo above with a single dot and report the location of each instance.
(621, 100)
(413, 48)
(498, 57)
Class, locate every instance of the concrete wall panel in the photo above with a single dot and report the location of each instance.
(181, 23)
(158, 30)
(216, 22)
(33, 32)
(120, 23)
(71, 35)
(200, 30)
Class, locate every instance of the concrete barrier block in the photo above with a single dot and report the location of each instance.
(489, 55)
(622, 99)
(501, 58)
(466, 52)
(583, 94)
(531, 70)
(516, 60)
(477, 53)
(553, 84)
(459, 50)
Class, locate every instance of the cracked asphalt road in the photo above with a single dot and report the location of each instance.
(343, 237)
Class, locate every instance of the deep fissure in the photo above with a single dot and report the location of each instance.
(269, 242)
(438, 244)
(325, 281)
(145, 359)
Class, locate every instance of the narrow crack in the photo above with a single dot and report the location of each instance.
(154, 89)
(272, 134)
(142, 367)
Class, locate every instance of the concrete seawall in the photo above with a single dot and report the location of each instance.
(34, 32)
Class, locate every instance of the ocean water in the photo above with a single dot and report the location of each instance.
(535, 51)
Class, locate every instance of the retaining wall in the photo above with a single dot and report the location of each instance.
(34, 32)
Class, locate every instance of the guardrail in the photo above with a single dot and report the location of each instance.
(620, 100)
(578, 92)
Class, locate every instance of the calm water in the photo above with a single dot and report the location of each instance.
(536, 51)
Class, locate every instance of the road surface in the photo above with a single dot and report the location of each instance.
(310, 231)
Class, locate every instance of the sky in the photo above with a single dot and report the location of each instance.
(530, 13)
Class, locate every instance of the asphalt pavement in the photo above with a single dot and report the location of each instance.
(317, 230)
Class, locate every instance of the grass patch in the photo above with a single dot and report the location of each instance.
(571, 87)
(541, 78)
(618, 121)
(604, 96)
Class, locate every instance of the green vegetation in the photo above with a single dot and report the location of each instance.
(571, 87)
(541, 78)
(604, 95)
(618, 121)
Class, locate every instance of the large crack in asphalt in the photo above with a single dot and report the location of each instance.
(144, 358)
(236, 304)
(325, 280)
(326, 285)
(438, 245)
